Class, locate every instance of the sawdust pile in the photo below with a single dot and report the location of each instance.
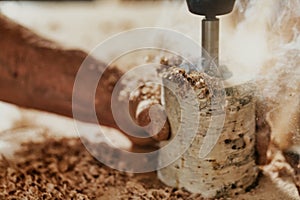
(63, 169)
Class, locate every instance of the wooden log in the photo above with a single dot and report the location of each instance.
(230, 167)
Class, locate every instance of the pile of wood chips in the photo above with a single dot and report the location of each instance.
(64, 169)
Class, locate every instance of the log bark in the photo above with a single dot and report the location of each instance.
(230, 167)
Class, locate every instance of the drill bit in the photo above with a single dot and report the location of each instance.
(210, 29)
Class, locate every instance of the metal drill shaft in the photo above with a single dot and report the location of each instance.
(210, 38)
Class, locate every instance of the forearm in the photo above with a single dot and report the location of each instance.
(36, 73)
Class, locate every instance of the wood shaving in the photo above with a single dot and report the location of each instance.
(64, 169)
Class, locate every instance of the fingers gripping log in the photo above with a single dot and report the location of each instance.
(145, 100)
(230, 167)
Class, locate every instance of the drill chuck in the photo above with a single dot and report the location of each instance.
(210, 8)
